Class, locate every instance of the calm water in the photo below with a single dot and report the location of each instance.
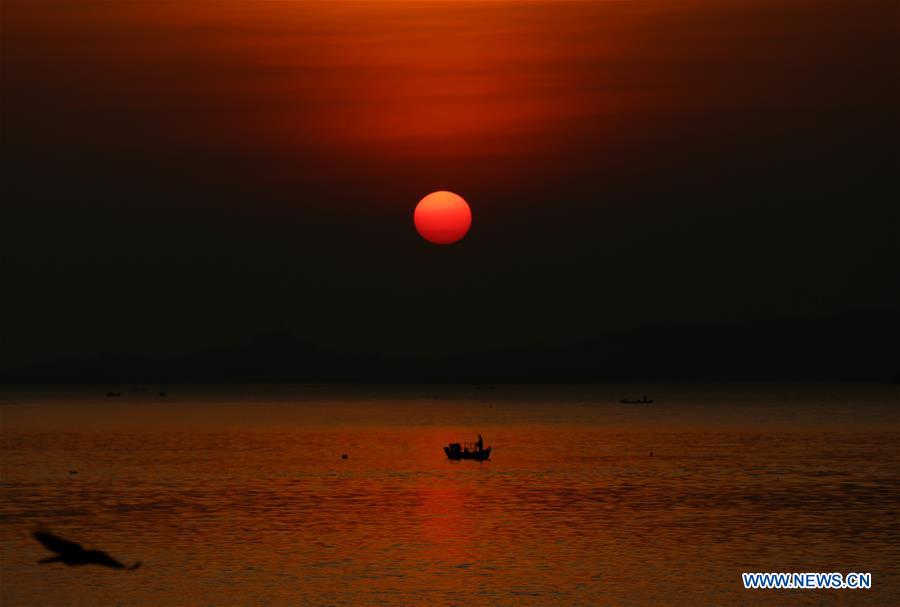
(239, 496)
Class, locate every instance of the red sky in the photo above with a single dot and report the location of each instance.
(744, 143)
(444, 86)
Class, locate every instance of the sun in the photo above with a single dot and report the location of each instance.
(442, 217)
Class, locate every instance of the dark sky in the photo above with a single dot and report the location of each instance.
(187, 174)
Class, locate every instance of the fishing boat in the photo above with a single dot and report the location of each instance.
(467, 451)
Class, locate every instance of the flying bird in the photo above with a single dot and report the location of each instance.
(71, 553)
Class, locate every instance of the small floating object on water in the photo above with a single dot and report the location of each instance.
(343, 456)
(474, 451)
(651, 454)
(114, 394)
(163, 394)
(643, 401)
(73, 471)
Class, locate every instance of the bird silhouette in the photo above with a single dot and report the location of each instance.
(71, 553)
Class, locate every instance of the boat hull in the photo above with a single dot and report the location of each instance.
(479, 456)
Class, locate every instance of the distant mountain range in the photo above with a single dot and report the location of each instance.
(854, 346)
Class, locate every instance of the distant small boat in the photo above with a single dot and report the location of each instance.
(643, 401)
(111, 394)
(458, 451)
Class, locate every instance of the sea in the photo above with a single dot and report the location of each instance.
(240, 494)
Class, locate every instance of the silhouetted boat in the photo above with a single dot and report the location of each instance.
(643, 401)
(458, 451)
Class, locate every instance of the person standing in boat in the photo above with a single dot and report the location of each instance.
(479, 445)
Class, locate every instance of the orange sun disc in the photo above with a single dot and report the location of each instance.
(442, 217)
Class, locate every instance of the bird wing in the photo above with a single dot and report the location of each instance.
(98, 557)
(56, 543)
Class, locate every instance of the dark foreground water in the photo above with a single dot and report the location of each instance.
(239, 496)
